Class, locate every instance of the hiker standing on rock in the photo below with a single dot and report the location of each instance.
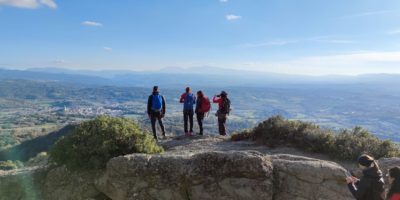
(371, 185)
(188, 99)
(223, 110)
(156, 110)
(203, 106)
(394, 181)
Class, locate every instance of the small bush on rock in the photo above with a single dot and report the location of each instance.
(94, 142)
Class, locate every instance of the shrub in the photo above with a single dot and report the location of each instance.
(10, 165)
(94, 142)
(345, 145)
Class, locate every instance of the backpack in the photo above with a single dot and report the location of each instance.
(226, 106)
(156, 102)
(189, 101)
(205, 105)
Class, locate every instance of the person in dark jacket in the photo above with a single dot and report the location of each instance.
(156, 110)
(371, 185)
(394, 181)
(223, 111)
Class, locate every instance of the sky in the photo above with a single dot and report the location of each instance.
(313, 37)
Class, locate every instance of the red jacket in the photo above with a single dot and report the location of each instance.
(395, 196)
(219, 101)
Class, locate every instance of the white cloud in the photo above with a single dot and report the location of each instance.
(232, 17)
(49, 3)
(91, 23)
(394, 32)
(107, 48)
(340, 64)
(369, 13)
(266, 44)
(30, 4)
(331, 39)
(223, 1)
(59, 61)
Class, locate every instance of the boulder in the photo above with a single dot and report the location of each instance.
(208, 175)
(305, 178)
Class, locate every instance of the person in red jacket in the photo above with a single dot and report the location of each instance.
(223, 110)
(394, 181)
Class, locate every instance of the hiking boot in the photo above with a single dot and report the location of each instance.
(190, 133)
(186, 133)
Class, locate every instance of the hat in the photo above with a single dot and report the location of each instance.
(365, 160)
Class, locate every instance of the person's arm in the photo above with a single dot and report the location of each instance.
(149, 105)
(359, 189)
(163, 105)
(216, 99)
(182, 99)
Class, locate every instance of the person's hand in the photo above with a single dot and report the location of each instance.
(162, 115)
(351, 179)
(149, 116)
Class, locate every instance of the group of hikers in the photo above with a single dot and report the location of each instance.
(198, 104)
(371, 185)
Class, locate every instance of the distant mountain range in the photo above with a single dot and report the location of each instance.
(200, 76)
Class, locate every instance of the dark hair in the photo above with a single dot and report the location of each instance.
(200, 93)
(366, 161)
(224, 94)
(155, 89)
(188, 89)
(395, 186)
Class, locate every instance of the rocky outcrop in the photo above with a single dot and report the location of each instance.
(62, 184)
(210, 175)
(222, 170)
(305, 178)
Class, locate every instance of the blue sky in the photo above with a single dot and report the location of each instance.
(313, 37)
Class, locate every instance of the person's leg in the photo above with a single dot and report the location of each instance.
(153, 125)
(160, 121)
(221, 124)
(191, 121)
(200, 118)
(185, 121)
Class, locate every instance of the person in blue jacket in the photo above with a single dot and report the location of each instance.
(156, 110)
(188, 99)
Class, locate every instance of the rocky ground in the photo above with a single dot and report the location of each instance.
(197, 167)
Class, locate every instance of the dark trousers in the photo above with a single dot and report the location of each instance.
(221, 124)
(188, 116)
(200, 118)
(153, 118)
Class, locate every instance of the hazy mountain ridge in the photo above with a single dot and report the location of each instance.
(199, 76)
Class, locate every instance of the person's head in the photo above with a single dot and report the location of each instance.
(394, 181)
(200, 93)
(365, 161)
(155, 89)
(188, 89)
(394, 174)
(224, 94)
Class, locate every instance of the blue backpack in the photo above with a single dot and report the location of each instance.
(190, 100)
(156, 102)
